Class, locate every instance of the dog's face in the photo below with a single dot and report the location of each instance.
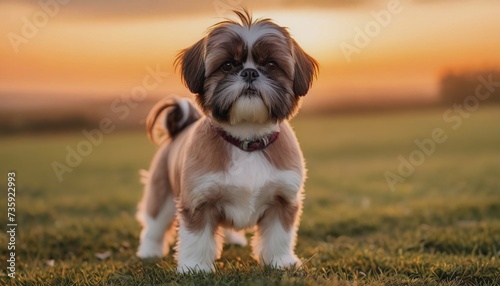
(250, 72)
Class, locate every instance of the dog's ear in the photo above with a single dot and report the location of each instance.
(305, 69)
(192, 64)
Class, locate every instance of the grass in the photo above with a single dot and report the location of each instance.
(441, 226)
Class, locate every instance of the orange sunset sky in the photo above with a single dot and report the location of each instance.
(91, 49)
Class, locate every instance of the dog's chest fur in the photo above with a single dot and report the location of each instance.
(247, 188)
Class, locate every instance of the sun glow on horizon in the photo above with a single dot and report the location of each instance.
(107, 57)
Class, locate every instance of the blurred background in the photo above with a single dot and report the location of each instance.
(67, 64)
(400, 133)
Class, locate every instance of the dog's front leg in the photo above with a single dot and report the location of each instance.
(274, 241)
(199, 242)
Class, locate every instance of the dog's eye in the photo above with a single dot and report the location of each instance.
(271, 65)
(227, 66)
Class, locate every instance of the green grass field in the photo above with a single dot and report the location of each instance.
(439, 227)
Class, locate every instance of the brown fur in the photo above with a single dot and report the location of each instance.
(159, 183)
(197, 150)
(201, 67)
(174, 115)
(305, 69)
(284, 153)
(284, 209)
(209, 153)
(198, 140)
(209, 212)
(193, 67)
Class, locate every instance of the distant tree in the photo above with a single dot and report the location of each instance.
(455, 87)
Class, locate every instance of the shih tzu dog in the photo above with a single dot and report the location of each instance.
(236, 164)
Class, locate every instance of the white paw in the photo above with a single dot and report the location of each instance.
(289, 261)
(188, 268)
(234, 237)
(150, 249)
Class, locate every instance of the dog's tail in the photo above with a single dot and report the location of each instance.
(180, 113)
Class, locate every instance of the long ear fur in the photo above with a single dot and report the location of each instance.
(193, 66)
(305, 69)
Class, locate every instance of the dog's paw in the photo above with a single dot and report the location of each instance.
(289, 261)
(150, 249)
(195, 268)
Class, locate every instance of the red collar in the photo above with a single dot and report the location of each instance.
(247, 145)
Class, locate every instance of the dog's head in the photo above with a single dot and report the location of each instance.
(251, 71)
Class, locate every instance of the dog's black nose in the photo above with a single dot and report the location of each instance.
(249, 74)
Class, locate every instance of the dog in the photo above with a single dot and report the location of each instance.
(234, 163)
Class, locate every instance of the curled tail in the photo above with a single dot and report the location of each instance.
(180, 113)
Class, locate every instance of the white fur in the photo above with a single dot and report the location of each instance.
(250, 130)
(235, 237)
(255, 109)
(274, 245)
(154, 236)
(249, 64)
(249, 109)
(253, 33)
(248, 175)
(253, 180)
(196, 251)
(184, 105)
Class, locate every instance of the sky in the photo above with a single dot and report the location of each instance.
(367, 50)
